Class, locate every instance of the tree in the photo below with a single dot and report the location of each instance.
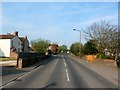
(75, 48)
(62, 48)
(105, 36)
(90, 48)
(40, 45)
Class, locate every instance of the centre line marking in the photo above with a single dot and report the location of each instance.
(67, 75)
(64, 59)
(65, 64)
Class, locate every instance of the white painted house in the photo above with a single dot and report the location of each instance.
(10, 43)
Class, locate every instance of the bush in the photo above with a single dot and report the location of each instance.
(103, 56)
(90, 48)
(40, 45)
(75, 48)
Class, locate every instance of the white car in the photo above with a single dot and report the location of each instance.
(68, 52)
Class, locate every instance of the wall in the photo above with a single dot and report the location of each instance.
(4, 47)
(14, 55)
(17, 43)
(27, 59)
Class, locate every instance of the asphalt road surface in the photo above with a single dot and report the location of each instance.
(60, 71)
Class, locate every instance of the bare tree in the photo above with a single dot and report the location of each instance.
(105, 36)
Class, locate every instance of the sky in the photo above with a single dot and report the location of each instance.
(55, 21)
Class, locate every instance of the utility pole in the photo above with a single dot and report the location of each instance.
(80, 42)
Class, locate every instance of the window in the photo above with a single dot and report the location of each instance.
(11, 42)
(19, 43)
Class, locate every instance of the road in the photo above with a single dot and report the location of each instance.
(61, 71)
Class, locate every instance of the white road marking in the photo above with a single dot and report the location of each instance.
(63, 58)
(67, 75)
(23, 75)
(65, 64)
(64, 61)
(7, 84)
(19, 77)
(30, 72)
(66, 69)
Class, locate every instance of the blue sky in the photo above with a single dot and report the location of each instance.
(55, 21)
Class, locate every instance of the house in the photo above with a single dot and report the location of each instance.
(31, 49)
(53, 48)
(25, 44)
(10, 43)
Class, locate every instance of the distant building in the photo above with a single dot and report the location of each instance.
(53, 48)
(9, 43)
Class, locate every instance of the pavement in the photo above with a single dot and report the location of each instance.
(8, 63)
(63, 71)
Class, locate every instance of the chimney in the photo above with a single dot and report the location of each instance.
(16, 33)
(8, 33)
(25, 37)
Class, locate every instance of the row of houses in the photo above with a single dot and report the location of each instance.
(13, 43)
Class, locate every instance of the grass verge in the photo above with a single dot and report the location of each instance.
(7, 59)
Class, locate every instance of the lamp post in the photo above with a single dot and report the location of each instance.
(80, 41)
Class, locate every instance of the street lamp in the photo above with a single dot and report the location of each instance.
(80, 41)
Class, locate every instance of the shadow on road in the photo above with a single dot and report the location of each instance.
(50, 85)
(8, 70)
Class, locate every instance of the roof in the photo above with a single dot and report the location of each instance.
(6, 36)
(23, 39)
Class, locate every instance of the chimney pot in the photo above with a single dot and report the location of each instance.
(16, 33)
(25, 37)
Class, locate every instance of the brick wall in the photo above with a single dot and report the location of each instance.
(27, 59)
(14, 55)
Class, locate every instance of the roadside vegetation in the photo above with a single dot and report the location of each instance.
(102, 41)
(63, 48)
(75, 48)
(40, 45)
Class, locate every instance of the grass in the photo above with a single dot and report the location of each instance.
(7, 59)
